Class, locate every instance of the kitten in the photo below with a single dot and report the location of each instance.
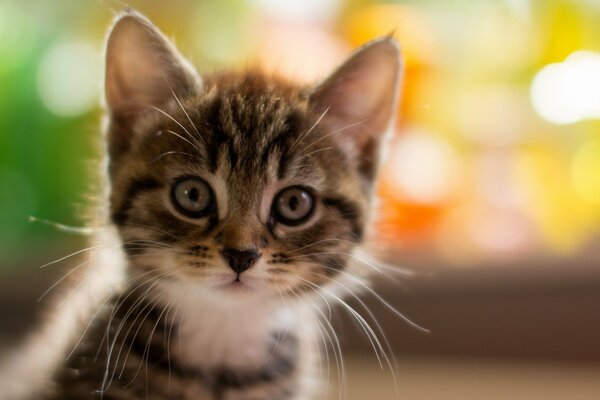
(237, 200)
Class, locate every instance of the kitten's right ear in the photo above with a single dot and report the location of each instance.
(143, 70)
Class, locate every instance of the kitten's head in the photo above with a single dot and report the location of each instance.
(241, 182)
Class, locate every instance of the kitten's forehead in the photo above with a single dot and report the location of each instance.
(253, 120)
(250, 130)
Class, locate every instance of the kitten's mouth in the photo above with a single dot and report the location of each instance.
(241, 283)
(237, 286)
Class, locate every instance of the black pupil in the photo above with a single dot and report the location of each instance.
(294, 203)
(194, 194)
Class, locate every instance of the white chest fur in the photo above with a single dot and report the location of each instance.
(222, 331)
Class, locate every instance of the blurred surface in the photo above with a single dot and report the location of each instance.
(423, 378)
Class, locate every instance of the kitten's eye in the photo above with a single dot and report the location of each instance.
(193, 197)
(293, 205)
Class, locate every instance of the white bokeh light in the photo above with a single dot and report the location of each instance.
(568, 92)
(68, 79)
(423, 167)
(300, 10)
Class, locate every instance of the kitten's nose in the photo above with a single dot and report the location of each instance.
(240, 260)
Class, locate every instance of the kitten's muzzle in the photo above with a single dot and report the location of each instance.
(240, 260)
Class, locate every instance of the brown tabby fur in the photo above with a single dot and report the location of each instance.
(249, 136)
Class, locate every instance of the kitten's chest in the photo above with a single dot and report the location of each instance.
(242, 337)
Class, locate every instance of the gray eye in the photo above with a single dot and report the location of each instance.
(293, 205)
(193, 197)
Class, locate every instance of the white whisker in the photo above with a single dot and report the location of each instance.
(335, 132)
(310, 130)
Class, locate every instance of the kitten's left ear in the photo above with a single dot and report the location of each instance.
(358, 101)
(143, 70)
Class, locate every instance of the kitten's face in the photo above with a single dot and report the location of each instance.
(240, 183)
(248, 175)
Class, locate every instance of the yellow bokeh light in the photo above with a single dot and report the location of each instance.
(585, 172)
(404, 23)
(564, 218)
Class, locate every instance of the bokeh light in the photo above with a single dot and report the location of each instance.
(585, 172)
(69, 78)
(423, 168)
(495, 150)
(300, 10)
(569, 91)
(15, 44)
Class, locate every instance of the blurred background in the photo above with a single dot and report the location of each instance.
(490, 195)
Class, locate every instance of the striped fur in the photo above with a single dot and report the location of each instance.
(181, 324)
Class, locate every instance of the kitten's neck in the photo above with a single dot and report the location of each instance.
(220, 331)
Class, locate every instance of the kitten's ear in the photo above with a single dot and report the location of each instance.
(358, 101)
(143, 70)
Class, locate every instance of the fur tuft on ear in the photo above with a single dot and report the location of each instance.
(143, 70)
(358, 101)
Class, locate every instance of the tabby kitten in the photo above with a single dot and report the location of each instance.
(237, 200)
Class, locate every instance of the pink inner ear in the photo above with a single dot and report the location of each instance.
(359, 99)
(143, 71)
(142, 66)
